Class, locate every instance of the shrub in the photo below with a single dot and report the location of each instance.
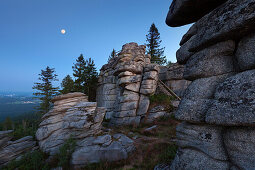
(30, 161)
(162, 99)
(65, 152)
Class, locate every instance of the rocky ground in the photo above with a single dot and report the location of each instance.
(154, 142)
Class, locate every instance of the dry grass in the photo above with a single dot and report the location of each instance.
(152, 147)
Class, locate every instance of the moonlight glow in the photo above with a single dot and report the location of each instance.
(63, 31)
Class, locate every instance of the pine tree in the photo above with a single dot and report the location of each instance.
(113, 55)
(78, 70)
(86, 77)
(45, 89)
(153, 46)
(67, 85)
(91, 79)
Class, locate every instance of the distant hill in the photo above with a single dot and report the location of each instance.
(16, 104)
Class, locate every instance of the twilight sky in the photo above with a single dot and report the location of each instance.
(30, 37)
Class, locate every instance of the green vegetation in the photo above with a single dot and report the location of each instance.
(65, 153)
(114, 54)
(86, 77)
(153, 46)
(45, 89)
(67, 85)
(30, 161)
(152, 147)
(163, 100)
(25, 125)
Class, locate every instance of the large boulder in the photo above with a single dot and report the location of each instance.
(232, 20)
(70, 117)
(15, 149)
(234, 101)
(245, 52)
(212, 61)
(184, 12)
(101, 149)
(240, 145)
(197, 99)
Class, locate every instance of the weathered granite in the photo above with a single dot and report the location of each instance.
(218, 53)
(232, 20)
(134, 79)
(240, 145)
(184, 12)
(79, 119)
(198, 98)
(212, 61)
(192, 159)
(14, 149)
(235, 101)
(245, 52)
(102, 148)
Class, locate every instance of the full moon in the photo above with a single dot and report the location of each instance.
(63, 31)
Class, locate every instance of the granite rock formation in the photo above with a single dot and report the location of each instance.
(127, 81)
(217, 108)
(74, 117)
(11, 150)
(125, 84)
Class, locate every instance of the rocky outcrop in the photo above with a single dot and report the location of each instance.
(71, 116)
(184, 12)
(175, 80)
(125, 84)
(11, 150)
(74, 117)
(217, 109)
(102, 148)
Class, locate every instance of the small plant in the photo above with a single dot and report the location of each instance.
(65, 152)
(162, 99)
(30, 161)
(168, 154)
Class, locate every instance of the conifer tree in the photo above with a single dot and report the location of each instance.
(45, 89)
(153, 46)
(91, 79)
(86, 77)
(113, 55)
(67, 85)
(78, 73)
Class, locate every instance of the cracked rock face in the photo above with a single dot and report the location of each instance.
(11, 150)
(217, 108)
(125, 84)
(102, 148)
(72, 116)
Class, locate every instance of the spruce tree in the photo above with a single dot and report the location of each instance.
(91, 79)
(78, 73)
(153, 46)
(67, 85)
(86, 77)
(45, 89)
(113, 55)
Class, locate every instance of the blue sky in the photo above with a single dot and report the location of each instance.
(30, 37)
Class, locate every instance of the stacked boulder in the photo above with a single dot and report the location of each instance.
(172, 76)
(125, 84)
(11, 150)
(74, 117)
(218, 107)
